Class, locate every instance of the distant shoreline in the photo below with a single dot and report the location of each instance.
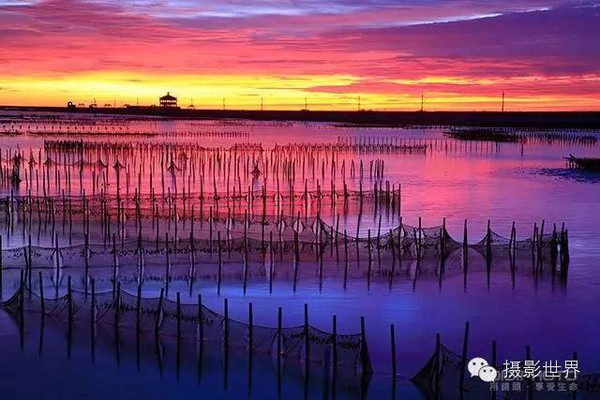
(526, 119)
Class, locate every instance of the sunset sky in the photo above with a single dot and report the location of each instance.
(545, 54)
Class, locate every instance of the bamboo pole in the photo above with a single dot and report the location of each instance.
(306, 336)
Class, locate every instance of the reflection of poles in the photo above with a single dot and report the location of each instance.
(442, 252)
(564, 250)
(393, 347)
(250, 347)
(419, 244)
(306, 351)
(465, 254)
(534, 246)
(219, 278)
(306, 337)
(346, 262)
(70, 316)
(57, 256)
(43, 318)
(326, 370)
(86, 259)
(512, 244)
(22, 311)
(554, 249)
(334, 340)
(540, 248)
(512, 253)
(114, 262)
(436, 375)
(379, 244)
(93, 321)
(117, 308)
(279, 343)
(42, 301)
(245, 258)
(271, 271)
(370, 258)
(178, 356)
(29, 262)
(168, 265)
(296, 257)
(400, 231)
(16, 172)
(201, 336)
(463, 362)
(226, 344)
(366, 369)
(138, 328)
(393, 248)
(488, 253)
(319, 250)
(192, 273)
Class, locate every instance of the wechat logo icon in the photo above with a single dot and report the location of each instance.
(480, 367)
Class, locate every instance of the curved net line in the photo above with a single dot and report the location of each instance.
(447, 367)
(292, 341)
(263, 338)
(494, 239)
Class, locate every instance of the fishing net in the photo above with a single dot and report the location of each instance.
(144, 243)
(82, 306)
(292, 341)
(212, 325)
(442, 373)
(348, 349)
(442, 376)
(318, 341)
(179, 319)
(105, 307)
(238, 334)
(264, 339)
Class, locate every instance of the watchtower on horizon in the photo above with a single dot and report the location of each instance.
(168, 100)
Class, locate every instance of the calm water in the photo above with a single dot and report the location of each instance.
(452, 180)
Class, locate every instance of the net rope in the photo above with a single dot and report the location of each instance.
(188, 321)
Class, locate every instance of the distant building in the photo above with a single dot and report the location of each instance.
(168, 100)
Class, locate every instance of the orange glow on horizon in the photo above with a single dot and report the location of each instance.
(323, 92)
